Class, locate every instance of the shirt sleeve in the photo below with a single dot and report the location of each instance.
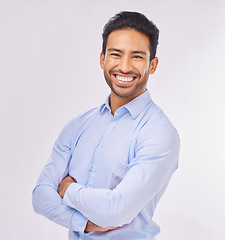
(156, 158)
(46, 200)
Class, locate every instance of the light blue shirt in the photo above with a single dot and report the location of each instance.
(122, 165)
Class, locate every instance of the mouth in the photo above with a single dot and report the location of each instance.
(124, 79)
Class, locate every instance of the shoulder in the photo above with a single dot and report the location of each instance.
(75, 124)
(157, 128)
(157, 138)
(154, 117)
(83, 117)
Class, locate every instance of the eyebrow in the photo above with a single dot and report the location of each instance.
(134, 52)
(139, 52)
(114, 50)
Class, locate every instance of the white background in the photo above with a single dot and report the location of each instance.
(49, 73)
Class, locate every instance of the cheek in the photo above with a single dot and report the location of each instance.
(111, 63)
(144, 70)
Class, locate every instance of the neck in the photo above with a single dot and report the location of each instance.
(117, 102)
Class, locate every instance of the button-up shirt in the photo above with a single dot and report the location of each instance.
(122, 164)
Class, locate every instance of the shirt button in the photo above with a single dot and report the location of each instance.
(94, 169)
(112, 123)
(101, 145)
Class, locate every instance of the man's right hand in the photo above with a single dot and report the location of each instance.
(91, 227)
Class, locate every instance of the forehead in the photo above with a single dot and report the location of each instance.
(128, 40)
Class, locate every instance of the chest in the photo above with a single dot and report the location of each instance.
(103, 151)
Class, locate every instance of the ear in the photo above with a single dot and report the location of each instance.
(153, 65)
(102, 60)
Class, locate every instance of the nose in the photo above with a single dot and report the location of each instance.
(125, 64)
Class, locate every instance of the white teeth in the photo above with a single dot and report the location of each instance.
(124, 79)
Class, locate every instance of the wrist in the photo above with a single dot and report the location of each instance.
(65, 188)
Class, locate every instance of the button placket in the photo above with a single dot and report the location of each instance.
(94, 169)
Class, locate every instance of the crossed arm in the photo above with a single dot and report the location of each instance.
(45, 198)
(90, 227)
(147, 174)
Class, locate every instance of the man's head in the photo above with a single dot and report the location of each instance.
(128, 55)
(132, 20)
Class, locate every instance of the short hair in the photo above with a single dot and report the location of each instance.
(132, 20)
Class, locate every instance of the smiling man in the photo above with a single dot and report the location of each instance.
(110, 166)
(126, 64)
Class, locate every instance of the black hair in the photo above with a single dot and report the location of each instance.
(132, 20)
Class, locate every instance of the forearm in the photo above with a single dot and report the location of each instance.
(48, 203)
(146, 176)
(46, 200)
(90, 226)
(115, 207)
(87, 200)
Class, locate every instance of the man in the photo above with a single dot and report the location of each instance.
(110, 166)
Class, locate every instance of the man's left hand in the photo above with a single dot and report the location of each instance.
(64, 185)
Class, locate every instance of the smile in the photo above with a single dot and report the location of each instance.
(123, 78)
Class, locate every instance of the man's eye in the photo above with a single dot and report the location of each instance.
(115, 54)
(138, 57)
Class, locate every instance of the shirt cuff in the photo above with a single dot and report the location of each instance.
(70, 194)
(78, 222)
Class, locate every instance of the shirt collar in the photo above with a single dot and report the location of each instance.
(134, 107)
(105, 105)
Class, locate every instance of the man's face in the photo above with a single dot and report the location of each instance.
(126, 63)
